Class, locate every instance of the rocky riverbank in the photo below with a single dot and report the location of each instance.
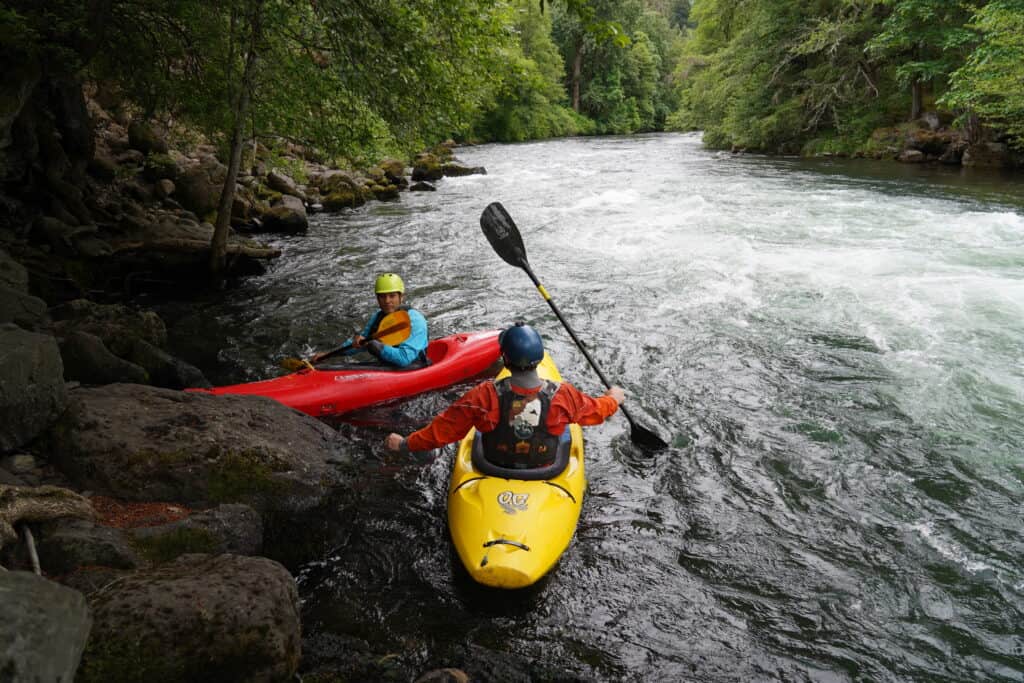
(146, 532)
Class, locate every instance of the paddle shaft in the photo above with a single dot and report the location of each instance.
(376, 335)
(572, 333)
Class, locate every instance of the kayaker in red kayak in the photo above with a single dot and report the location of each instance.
(520, 417)
(390, 291)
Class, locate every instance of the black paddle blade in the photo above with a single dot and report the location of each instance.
(502, 233)
(646, 439)
(641, 436)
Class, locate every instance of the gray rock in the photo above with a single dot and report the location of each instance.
(44, 629)
(143, 443)
(88, 360)
(118, 326)
(67, 544)
(165, 370)
(289, 216)
(12, 273)
(200, 617)
(21, 463)
(285, 185)
(455, 170)
(32, 392)
(199, 187)
(232, 528)
(911, 156)
(22, 309)
(164, 188)
(988, 155)
(142, 137)
(422, 187)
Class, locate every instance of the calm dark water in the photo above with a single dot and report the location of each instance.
(834, 350)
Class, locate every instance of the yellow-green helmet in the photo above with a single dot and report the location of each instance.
(388, 282)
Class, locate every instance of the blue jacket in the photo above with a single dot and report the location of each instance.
(408, 351)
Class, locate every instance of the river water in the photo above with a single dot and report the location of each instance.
(835, 351)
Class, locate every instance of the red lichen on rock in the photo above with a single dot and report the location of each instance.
(122, 514)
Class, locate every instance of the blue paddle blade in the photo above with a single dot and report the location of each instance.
(502, 233)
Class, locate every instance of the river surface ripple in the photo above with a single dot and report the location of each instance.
(834, 350)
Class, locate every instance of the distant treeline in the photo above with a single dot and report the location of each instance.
(820, 75)
(363, 80)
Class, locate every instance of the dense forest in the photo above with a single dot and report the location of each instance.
(363, 80)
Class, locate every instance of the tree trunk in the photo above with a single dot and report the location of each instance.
(577, 70)
(915, 100)
(218, 245)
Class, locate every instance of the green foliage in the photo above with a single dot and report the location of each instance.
(991, 81)
(821, 75)
(529, 100)
(772, 75)
(623, 88)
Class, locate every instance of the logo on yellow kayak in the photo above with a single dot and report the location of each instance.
(512, 502)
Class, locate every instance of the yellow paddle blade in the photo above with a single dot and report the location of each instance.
(394, 328)
(295, 364)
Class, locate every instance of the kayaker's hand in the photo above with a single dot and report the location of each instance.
(375, 346)
(393, 442)
(617, 393)
(358, 341)
(317, 357)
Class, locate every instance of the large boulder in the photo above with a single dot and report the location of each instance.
(288, 216)
(87, 360)
(144, 138)
(280, 182)
(165, 370)
(199, 618)
(21, 308)
(988, 155)
(32, 392)
(198, 187)
(141, 443)
(118, 326)
(12, 273)
(43, 630)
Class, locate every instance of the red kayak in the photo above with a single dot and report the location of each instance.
(330, 392)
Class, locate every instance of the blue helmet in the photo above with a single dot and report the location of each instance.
(521, 347)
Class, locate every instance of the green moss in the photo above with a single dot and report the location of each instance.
(240, 477)
(266, 194)
(181, 541)
(127, 660)
(342, 199)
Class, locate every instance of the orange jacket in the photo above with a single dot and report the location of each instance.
(478, 408)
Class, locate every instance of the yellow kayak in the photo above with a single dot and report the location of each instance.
(510, 532)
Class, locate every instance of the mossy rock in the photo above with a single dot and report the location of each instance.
(159, 167)
(343, 199)
(266, 194)
(384, 192)
(180, 541)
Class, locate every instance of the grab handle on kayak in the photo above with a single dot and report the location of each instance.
(505, 541)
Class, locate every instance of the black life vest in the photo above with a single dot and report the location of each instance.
(521, 439)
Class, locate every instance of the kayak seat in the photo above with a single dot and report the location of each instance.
(481, 463)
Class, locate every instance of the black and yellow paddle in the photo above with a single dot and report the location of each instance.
(502, 233)
(394, 328)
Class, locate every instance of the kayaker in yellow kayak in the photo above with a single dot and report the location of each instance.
(390, 291)
(520, 417)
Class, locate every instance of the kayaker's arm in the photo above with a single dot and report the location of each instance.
(478, 408)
